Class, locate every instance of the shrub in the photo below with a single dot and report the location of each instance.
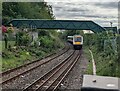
(22, 38)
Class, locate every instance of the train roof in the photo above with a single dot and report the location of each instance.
(78, 35)
(70, 36)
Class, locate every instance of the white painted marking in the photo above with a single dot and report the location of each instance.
(93, 61)
(110, 85)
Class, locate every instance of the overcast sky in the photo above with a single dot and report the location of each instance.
(102, 12)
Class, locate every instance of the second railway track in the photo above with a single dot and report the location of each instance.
(16, 72)
(52, 79)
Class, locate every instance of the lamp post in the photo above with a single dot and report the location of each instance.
(111, 27)
(111, 23)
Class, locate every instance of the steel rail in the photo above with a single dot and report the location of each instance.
(52, 76)
(13, 69)
(49, 73)
(55, 88)
(26, 71)
(65, 72)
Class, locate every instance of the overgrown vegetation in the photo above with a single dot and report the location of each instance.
(104, 52)
(87, 54)
(23, 51)
(22, 46)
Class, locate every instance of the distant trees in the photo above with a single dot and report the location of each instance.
(70, 33)
(28, 10)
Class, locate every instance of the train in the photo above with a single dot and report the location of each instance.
(76, 41)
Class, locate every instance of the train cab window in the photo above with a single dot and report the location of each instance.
(77, 39)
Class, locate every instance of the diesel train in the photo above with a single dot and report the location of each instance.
(76, 40)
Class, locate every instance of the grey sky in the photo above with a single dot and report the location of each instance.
(100, 12)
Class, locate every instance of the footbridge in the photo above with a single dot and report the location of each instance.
(57, 24)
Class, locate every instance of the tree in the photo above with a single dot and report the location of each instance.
(28, 10)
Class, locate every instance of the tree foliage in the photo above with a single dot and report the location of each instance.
(26, 10)
(104, 53)
(49, 39)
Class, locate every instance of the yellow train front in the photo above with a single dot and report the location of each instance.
(77, 42)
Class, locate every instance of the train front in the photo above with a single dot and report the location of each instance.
(77, 42)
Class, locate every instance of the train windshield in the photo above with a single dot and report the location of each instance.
(77, 39)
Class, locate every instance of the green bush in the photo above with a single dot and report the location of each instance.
(43, 33)
(46, 42)
(23, 39)
(105, 56)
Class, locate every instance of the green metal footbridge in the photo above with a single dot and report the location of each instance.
(57, 24)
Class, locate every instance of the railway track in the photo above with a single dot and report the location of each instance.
(52, 79)
(13, 74)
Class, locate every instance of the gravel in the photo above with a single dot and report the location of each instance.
(20, 70)
(74, 80)
(30, 77)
